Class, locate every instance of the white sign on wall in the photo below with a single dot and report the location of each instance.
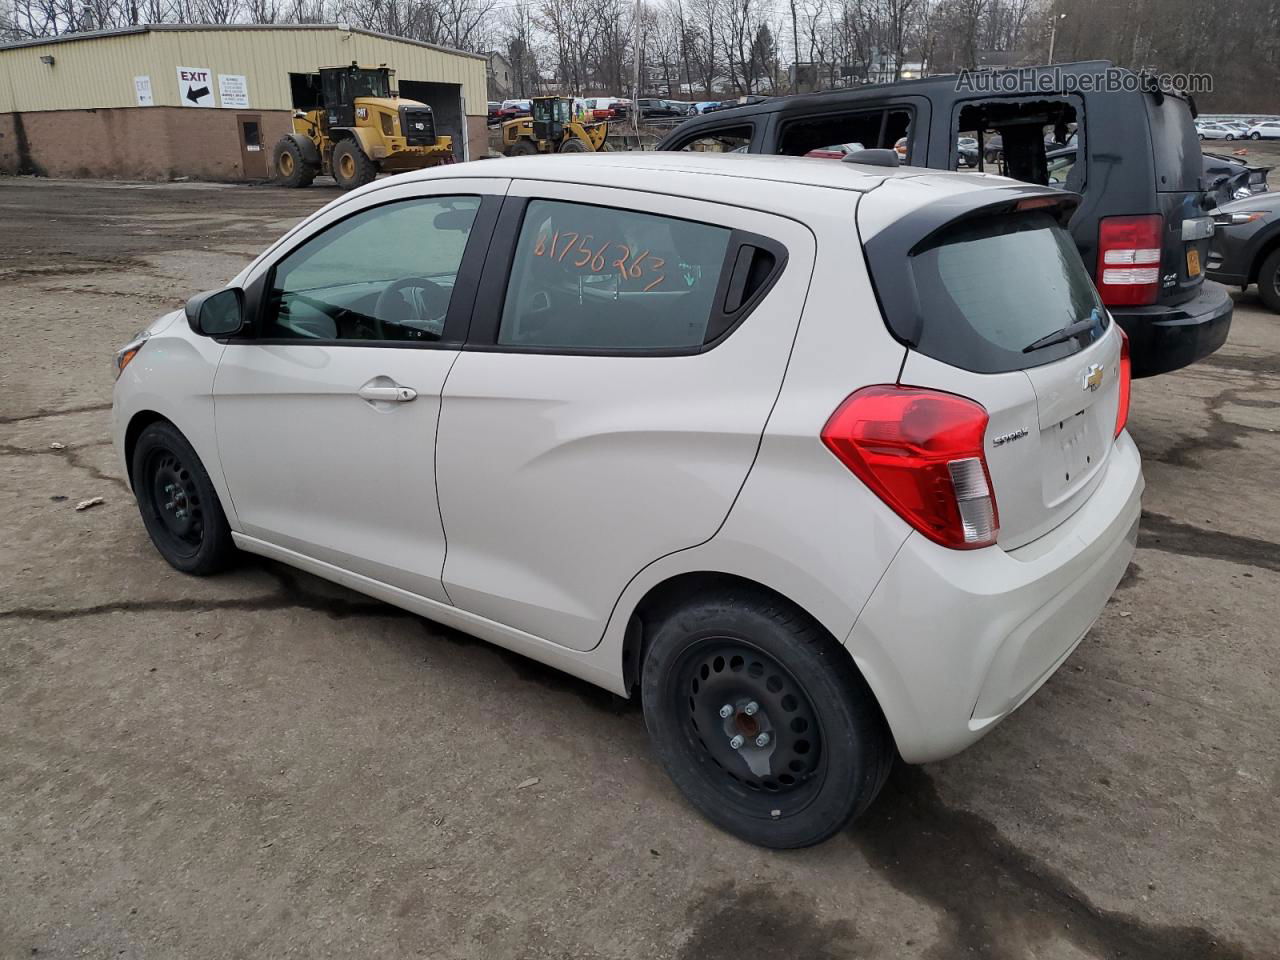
(233, 91)
(195, 87)
(142, 89)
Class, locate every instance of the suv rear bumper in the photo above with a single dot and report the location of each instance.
(1164, 338)
(953, 641)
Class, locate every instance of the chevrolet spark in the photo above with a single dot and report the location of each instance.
(824, 462)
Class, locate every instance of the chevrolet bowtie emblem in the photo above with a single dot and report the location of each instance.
(1092, 378)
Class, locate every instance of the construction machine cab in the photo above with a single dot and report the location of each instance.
(550, 117)
(340, 87)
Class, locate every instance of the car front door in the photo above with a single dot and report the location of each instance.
(624, 355)
(326, 412)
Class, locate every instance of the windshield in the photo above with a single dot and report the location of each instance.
(368, 83)
(989, 287)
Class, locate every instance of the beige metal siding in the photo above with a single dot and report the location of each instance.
(98, 71)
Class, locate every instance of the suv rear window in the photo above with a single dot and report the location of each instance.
(987, 288)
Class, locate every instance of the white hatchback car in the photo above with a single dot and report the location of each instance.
(826, 462)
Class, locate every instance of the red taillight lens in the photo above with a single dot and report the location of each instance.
(921, 452)
(1126, 374)
(1129, 259)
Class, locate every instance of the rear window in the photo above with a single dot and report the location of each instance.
(988, 288)
(1175, 146)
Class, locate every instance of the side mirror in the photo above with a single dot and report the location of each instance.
(216, 313)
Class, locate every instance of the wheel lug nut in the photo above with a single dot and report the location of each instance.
(726, 712)
(751, 708)
(762, 740)
(737, 742)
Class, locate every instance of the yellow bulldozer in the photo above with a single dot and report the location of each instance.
(552, 128)
(360, 128)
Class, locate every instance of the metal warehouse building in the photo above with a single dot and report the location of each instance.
(162, 101)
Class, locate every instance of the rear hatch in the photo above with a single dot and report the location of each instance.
(999, 308)
(1179, 168)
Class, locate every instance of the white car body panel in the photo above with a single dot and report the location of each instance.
(560, 476)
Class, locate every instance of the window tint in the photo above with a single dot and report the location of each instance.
(590, 277)
(386, 273)
(723, 140)
(870, 128)
(990, 287)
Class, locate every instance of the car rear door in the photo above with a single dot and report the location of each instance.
(972, 283)
(624, 355)
(1187, 226)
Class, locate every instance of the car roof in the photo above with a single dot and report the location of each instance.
(712, 176)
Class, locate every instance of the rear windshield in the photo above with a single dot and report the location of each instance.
(1175, 145)
(988, 288)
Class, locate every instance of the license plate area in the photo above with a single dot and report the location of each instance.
(1193, 262)
(1072, 453)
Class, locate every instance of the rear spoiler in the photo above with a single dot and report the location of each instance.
(888, 252)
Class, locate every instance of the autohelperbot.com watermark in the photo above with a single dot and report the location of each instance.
(1057, 80)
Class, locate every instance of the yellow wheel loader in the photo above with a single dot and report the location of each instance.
(361, 128)
(552, 128)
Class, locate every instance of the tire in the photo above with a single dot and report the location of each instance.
(351, 168)
(1201, 136)
(1230, 137)
(1255, 136)
(287, 165)
(574, 145)
(1269, 280)
(522, 148)
(830, 751)
(178, 503)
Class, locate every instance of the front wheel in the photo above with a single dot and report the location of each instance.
(1269, 281)
(351, 168)
(574, 145)
(1230, 137)
(761, 719)
(288, 166)
(178, 503)
(522, 148)
(1255, 136)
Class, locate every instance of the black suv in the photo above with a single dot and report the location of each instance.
(1142, 227)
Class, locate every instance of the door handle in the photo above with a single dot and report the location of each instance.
(387, 394)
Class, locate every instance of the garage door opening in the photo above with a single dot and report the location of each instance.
(445, 101)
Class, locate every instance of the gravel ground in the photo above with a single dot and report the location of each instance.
(264, 765)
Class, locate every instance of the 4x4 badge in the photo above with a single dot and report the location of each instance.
(1092, 377)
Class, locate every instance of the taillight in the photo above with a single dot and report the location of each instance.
(921, 452)
(1129, 259)
(1126, 374)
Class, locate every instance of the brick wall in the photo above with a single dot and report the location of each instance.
(145, 143)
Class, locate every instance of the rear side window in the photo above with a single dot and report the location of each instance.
(590, 277)
(1175, 146)
(736, 139)
(870, 128)
(990, 287)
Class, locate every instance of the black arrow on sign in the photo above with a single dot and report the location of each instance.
(196, 94)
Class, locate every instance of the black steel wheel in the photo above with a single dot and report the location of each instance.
(178, 503)
(761, 719)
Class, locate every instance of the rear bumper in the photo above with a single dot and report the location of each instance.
(1164, 338)
(951, 642)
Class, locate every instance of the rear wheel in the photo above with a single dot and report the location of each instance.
(1269, 280)
(1231, 136)
(288, 166)
(522, 148)
(574, 145)
(762, 720)
(178, 503)
(351, 168)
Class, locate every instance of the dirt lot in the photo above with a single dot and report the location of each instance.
(262, 765)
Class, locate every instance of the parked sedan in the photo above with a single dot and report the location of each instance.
(1212, 130)
(669, 438)
(513, 109)
(1246, 245)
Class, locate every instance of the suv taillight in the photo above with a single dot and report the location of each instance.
(1126, 375)
(1129, 259)
(921, 452)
